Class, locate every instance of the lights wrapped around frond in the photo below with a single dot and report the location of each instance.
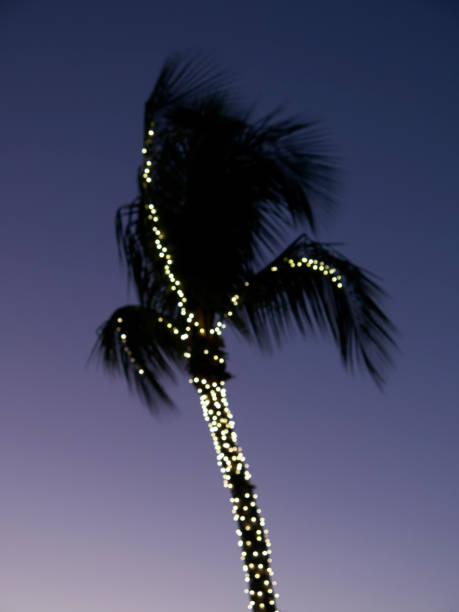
(311, 286)
(140, 244)
(142, 345)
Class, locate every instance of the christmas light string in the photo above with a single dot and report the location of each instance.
(253, 536)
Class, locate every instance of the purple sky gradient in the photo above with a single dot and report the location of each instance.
(105, 509)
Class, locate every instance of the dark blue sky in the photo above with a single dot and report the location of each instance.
(106, 509)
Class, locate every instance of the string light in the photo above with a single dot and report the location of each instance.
(236, 476)
(314, 264)
(123, 338)
(253, 536)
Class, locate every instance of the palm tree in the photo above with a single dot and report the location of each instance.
(218, 193)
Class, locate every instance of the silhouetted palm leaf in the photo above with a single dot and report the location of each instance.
(183, 81)
(136, 339)
(310, 286)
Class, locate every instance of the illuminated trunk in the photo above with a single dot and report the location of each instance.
(253, 536)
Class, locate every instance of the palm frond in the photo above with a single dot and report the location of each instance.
(311, 287)
(262, 176)
(136, 247)
(183, 81)
(136, 342)
(295, 167)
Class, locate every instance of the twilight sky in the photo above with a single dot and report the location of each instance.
(105, 509)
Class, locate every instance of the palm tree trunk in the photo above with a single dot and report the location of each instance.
(253, 536)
